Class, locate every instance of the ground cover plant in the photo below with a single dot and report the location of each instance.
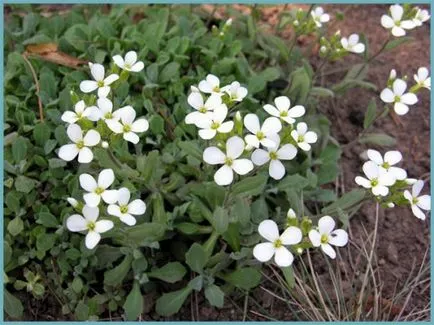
(153, 153)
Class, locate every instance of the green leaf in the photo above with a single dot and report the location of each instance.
(24, 184)
(214, 295)
(15, 226)
(220, 220)
(245, 278)
(45, 242)
(170, 72)
(259, 210)
(81, 311)
(397, 42)
(12, 201)
(371, 112)
(345, 201)
(47, 220)
(296, 182)
(321, 92)
(232, 236)
(133, 305)
(170, 303)
(19, 149)
(196, 258)
(378, 139)
(171, 272)
(41, 134)
(253, 185)
(77, 284)
(145, 232)
(115, 276)
(156, 124)
(150, 164)
(288, 273)
(12, 305)
(240, 211)
(191, 148)
(300, 85)
(158, 212)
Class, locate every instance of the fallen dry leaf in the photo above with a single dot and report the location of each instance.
(49, 52)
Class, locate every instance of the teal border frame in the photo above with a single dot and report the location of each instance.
(349, 2)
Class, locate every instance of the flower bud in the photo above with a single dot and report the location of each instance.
(323, 49)
(72, 201)
(296, 23)
(104, 144)
(238, 116)
(194, 89)
(390, 205)
(248, 147)
(299, 250)
(410, 181)
(291, 214)
(229, 22)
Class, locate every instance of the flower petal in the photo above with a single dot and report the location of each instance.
(283, 257)
(224, 175)
(207, 134)
(263, 252)
(234, 147)
(226, 127)
(276, 169)
(363, 182)
(76, 223)
(74, 133)
(97, 71)
(115, 126)
(424, 202)
(338, 237)
(90, 213)
(85, 155)
(92, 239)
(315, 238)
(68, 152)
(251, 122)
(398, 173)
(88, 86)
(392, 157)
(252, 140)
(141, 125)
(418, 212)
(137, 67)
(124, 196)
(268, 230)
(260, 157)
(195, 100)
(119, 61)
(131, 137)
(110, 196)
(380, 190)
(287, 152)
(106, 178)
(92, 138)
(128, 219)
(87, 182)
(400, 108)
(417, 188)
(131, 57)
(326, 225)
(301, 128)
(291, 236)
(271, 125)
(396, 11)
(110, 79)
(375, 156)
(92, 199)
(137, 207)
(213, 156)
(371, 169)
(69, 117)
(103, 91)
(409, 99)
(328, 250)
(297, 111)
(282, 103)
(242, 166)
(114, 210)
(310, 137)
(387, 22)
(273, 111)
(387, 95)
(103, 226)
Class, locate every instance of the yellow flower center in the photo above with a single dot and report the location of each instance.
(91, 225)
(260, 135)
(273, 155)
(216, 89)
(300, 138)
(80, 144)
(124, 209)
(215, 125)
(127, 66)
(284, 114)
(108, 115)
(415, 200)
(127, 128)
(385, 165)
(101, 83)
(202, 110)
(324, 239)
(99, 190)
(397, 99)
(277, 243)
(229, 161)
(374, 182)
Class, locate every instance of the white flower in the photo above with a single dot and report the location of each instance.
(228, 22)
(352, 44)
(418, 202)
(420, 17)
(282, 111)
(274, 155)
(261, 135)
(72, 201)
(106, 110)
(275, 246)
(303, 137)
(234, 149)
(130, 62)
(390, 158)
(99, 190)
(80, 144)
(81, 111)
(214, 122)
(319, 17)
(377, 179)
(325, 236)
(126, 209)
(211, 85)
(235, 91)
(100, 83)
(422, 78)
(398, 98)
(88, 221)
(126, 125)
(195, 100)
(394, 21)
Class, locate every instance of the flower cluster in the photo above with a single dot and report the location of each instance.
(336, 47)
(403, 18)
(276, 139)
(396, 92)
(387, 182)
(84, 135)
(298, 235)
